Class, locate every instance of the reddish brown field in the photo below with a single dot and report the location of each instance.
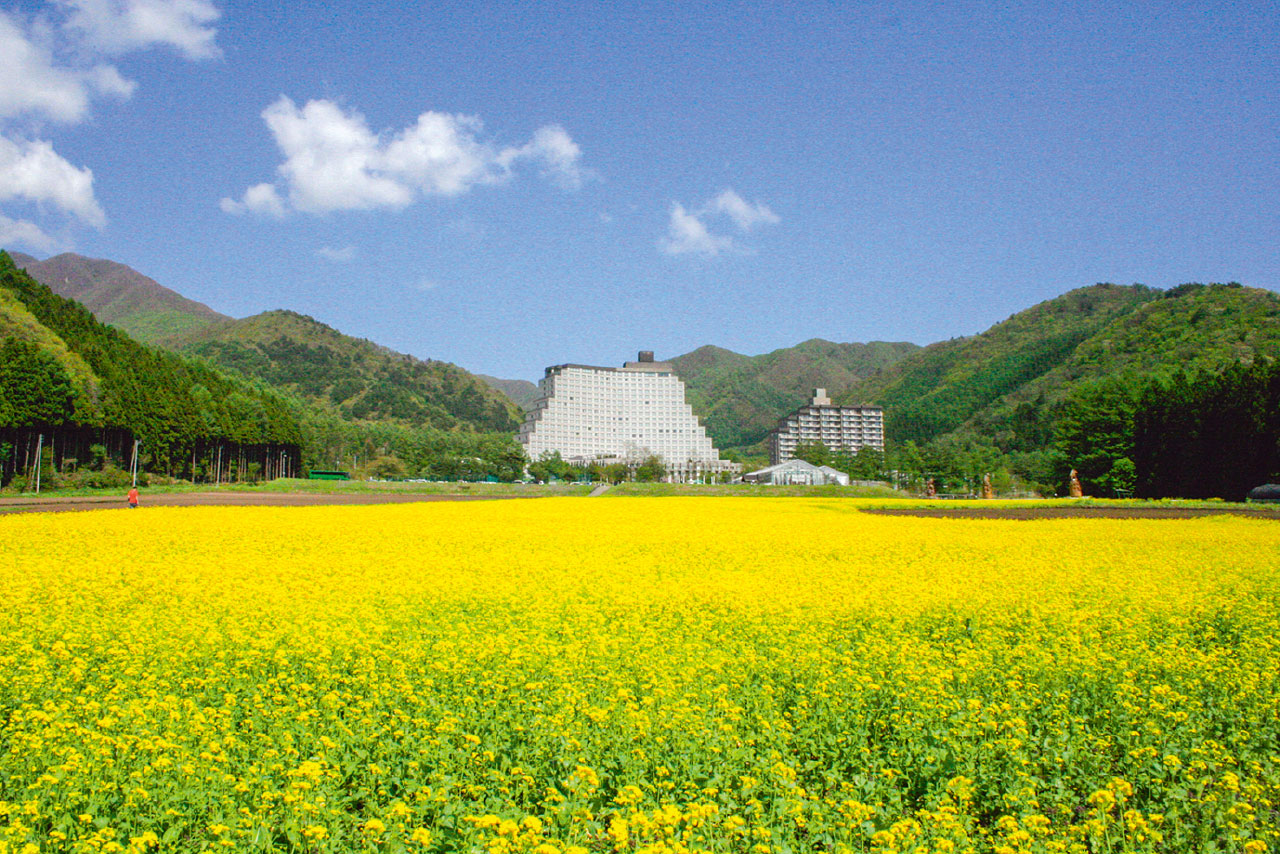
(942, 511)
(54, 504)
(939, 510)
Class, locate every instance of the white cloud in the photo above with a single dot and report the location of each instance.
(260, 199)
(17, 232)
(333, 161)
(32, 83)
(34, 172)
(688, 233)
(744, 215)
(120, 26)
(556, 150)
(49, 71)
(441, 155)
(340, 255)
(425, 285)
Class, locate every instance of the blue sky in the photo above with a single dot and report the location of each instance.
(509, 186)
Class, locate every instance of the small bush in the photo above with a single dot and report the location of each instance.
(109, 477)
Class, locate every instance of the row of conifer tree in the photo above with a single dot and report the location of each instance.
(103, 390)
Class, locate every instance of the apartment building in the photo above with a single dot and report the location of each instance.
(840, 428)
(595, 414)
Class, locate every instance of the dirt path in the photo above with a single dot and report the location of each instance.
(34, 504)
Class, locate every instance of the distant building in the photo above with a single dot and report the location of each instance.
(797, 472)
(840, 428)
(607, 415)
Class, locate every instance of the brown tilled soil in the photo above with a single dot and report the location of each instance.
(1059, 512)
(219, 499)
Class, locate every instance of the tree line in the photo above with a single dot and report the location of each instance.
(1203, 434)
(1188, 435)
(552, 467)
(393, 451)
(86, 395)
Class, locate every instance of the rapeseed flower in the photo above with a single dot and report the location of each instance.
(697, 675)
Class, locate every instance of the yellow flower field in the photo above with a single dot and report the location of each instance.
(566, 676)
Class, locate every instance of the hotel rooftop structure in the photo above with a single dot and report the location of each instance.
(608, 415)
(839, 428)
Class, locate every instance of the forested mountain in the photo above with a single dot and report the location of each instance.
(1005, 382)
(740, 398)
(348, 377)
(522, 392)
(89, 389)
(1057, 386)
(351, 377)
(936, 390)
(121, 296)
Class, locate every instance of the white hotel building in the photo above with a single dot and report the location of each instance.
(608, 415)
(839, 428)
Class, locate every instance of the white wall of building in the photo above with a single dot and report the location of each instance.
(631, 413)
(839, 428)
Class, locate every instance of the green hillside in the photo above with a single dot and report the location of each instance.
(87, 390)
(346, 377)
(521, 392)
(84, 389)
(936, 390)
(121, 296)
(351, 378)
(1025, 385)
(17, 322)
(740, 398)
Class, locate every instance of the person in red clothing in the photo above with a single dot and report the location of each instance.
(133, 497)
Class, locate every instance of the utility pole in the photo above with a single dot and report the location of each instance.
(134, 465)
(39, 459)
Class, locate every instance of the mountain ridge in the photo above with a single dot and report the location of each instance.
(521, 392)
(1001, 387)
(89, 387)
(353, 378)
(740, 398)
(1006, 385)
(273, 345)
(121, 296)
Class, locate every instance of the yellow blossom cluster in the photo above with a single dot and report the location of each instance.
(657, 675)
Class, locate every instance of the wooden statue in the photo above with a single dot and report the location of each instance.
(1077, 491)
(988, 491)
(930, 489)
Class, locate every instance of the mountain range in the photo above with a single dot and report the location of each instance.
(349, 377)
(120, 296)
(1006, 386)
(740, 398)
(1002, 387)
(81, 390)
